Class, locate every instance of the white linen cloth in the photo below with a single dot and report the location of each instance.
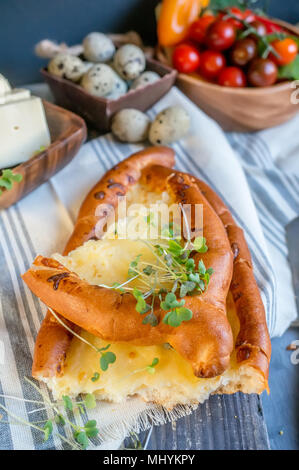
(257, 175)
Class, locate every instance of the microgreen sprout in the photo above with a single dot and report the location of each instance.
(59, 419)
(7, 178)
(95, 377)
(106, 357)
(136, 443)
(81, 434)
(41, 149)
(90, 401)
(150, 219)
(132, 272)
(48, 429)
(141, 306)
(174, 269)
(68, 404)
(151, 369)
(177, 312)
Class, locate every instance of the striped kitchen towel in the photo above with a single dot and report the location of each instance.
(257, 176)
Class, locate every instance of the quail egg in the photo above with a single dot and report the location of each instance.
(170, 125)
(67, 66)
(129, 61)
(130, 125)
(144, 79)
(97, 47)
(101, 80)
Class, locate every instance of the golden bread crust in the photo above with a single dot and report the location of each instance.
(206, 341)
(115, 183)
(50, 352)
(208, 327)
(253, 345)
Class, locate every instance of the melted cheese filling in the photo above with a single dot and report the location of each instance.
(173, 381)
(106, 262)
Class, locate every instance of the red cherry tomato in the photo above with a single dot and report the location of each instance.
(211, 63)
(246, 15)
(260, 29)
(271, 27)
(262, 72)
(186, 58)
(232, 76)
(220, 35)
(199, 28)
(243, 51)
(287, 50)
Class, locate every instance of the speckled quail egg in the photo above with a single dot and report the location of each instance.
(120, 89)
(4, 85)
(130, 125)
(101, 80)
(67, 66)
(129, 61)
(169, 125)
(145, 79)
(97, 47)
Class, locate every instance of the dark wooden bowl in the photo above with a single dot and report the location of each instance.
(98, 111)
(68, 132)
(240, 109)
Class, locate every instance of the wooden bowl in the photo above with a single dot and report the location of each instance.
(240, 109)
(68, 132)
(98, 111)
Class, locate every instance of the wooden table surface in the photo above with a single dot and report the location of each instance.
(281, 407)
(241, 422)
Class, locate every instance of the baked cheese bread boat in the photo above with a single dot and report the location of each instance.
(170, 320)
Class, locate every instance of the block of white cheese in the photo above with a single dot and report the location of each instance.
(17, 94)
(23, 131)
(4, 85)
(23, 125)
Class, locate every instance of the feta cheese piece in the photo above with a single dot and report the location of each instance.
(4, 85)
(17, 94)
(23, 130)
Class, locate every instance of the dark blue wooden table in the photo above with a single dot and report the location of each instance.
(281, 407)
(239, 421)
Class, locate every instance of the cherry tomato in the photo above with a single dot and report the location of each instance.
(246, 15)
(236, 12)
(186, 58)
(262, 72)
(211, 63)
(199, 28)
(270, 26)
(243, 51)
(287, 50)
(220, 35)
(232, 76)
(260, 28)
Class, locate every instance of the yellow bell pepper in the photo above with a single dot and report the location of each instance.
(175, 18)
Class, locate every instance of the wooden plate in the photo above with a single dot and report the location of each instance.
(68, 132)
(98, 111)
(240, 109)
